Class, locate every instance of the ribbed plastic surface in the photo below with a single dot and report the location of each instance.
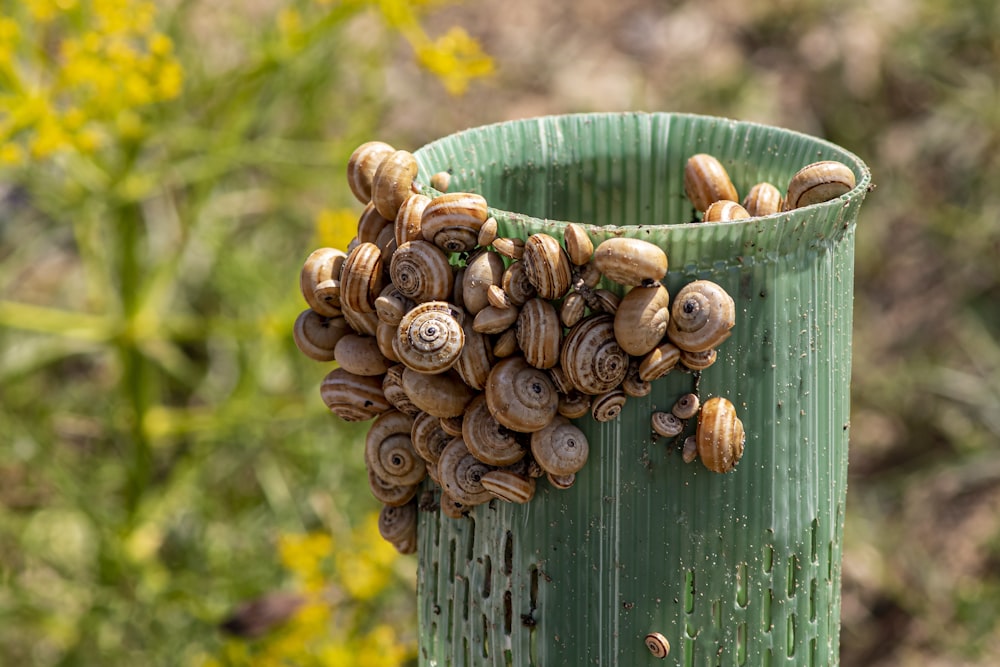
(736, 569)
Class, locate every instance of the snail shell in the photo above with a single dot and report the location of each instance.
(660, 361)
(574, 405)
(608, 405)
(328, 292)
(363, 323)
(392, 387)
(390, 494)
(686, 406)
(641, 319)
(819, 182)
(392, 182)
(630, 261)
(483, 270)
(440, 181)
(370, 225)
(361, 278)
(763, 199)
(487, 233)
(428, 438)
(493, 320)
(547, 266)
(360, 355)
(487, 439)
(539, 333)
(361, 167)
(509, 486)
(391, 305)
(506, 344)
(353, 397)
(657, 645)
(476, 361)
(579, 247)
(407, 227)
(591, 357)
(698, 361)
(667, 424)
(430, 337)
(587, 275)
(461, 474)
(573, 308)
(398, 527)
(701, 317)
(516, 285)
(497, 297)
(452, 508)
(421, 271)
(707, 181)
(385, 336)
(322, 265)
(452, 425)
(316, 336)
(562, 382)
(389, 451)
(689, 450)
(520, 396)
(442, 395)
(560, 448)
(603, 301)
(452, 221)
(511, 248)
(720, 435)
(724, 210)
(633, 385)
(561, 481)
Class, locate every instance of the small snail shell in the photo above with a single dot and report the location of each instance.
(724, 210)
(487, 233)
(587, 275)
(476, 361)
(360, 355)
(660, 361)
(630, 261)
(603, 301)
(707, 181)
(608, 405)
(452, 508)
(574, 405)
(386, 243)
(547, 266)
(763, 199)
(328, 292)
(560, 448)
(371, 224)
(720, 435)
(362, 322)
(497, 297)
(407, 227)
(441, 180)
(516, 285)
(579, 247)
(361, 278)
(689, 450)
(391, 305)
(427, 436)
(353, 397)
(421, 271)
(398, 527)
(539, 333)
(316, 336)
(457, 298)
(591, 357)
(819, 182)
(442, 395)
(322, 264)
(509, 486)
(562, 482)
(361, 167)
(506, 344)
(452, 425)
(389, 451)
(392, 387)
(657, 645)
(452, 221)
(511, 248)
(430, 337)
(633, 385)
(483, 270)
(686, 406)
(666, 424)
(493, 320)
(391, 183)
(461, 474)
(390, 494)
(487, 439)
(698, 361)
(573, 309)
(520, 396)
(641, 319)
(701, 317)
(562, 382)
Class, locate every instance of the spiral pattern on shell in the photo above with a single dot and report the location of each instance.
(421, 271)
(560, 448)
(461, 474)
(509, 486)
(353, 397)
(427, 436)
(520, 396)
(452, 221)
(487, 439)
(316, 336)
(430, 337)
(701, 317)
(657, 645)
(398, 526)
(591, 357)
(389, 451)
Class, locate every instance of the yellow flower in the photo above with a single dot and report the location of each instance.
(335, 229)
(456, 59)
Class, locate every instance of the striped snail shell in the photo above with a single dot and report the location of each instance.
(520, 396)
(698, 361)
(392, 182)
(641, 319)
(562, 482)
(362, 322)
(407, 225)
(361, 278)
(428, 438)
(452, 221)
(603, 301)
(511, 248)
(328, 292)
(370, 225)
(579, 247)
(516, 285)
(701, 317)
(391, 305)
(487, 233)
(633, 385)
(452, 425)
(509, 486)
(452, 508)
(421, 271)
(389, 451)
(686, 406)
(574, 405)
(385, 336)
(493, 320)
(667, 424)
(497, 297)
(591, 357)
(430, 337)
(724, 210)
(707, 181)
(560, 448)
(483, 270)
(476, 361)
(316, 336)
(360, 355)
(763, 199)
(657, 645)
(398, 527)
(361, 167)
(323, 264)
(461, 474)
(392, 387)
(539, 333)
(720, 435)
(442, 395)
(506, 344)
(661, 360)
(630, 261)
(562, 382)
(487, 439)
(547, 266)
(607, 406)
(388, 493)
(573, 308)
(353, 397)
(819, 182)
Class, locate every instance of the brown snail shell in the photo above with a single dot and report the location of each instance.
(763, 199)
(509, 486)
(560, 448)
(392, 387)
(452, 221)
(587, 275)
(390, 494)
(520, 396)
(667, 424)
(323, 264)
(493, 320)
(516, 285)
(360, 355)
(487, 233)
(539, 333)
(608, 405)
(579, 247)
(452, 508)
(361, 278)
(363, 323)
(724, 210)
(603, 301)
(573, 308)
(720, 435)
(328, 292)
(461, 474)
(406, 226)
(427, 436)
(657, 645)
(440, 181)
(630, 261)
(391, 305)
(641, 319)
(689, 450)
(506, 344)
(370, 225)
(476, 361)
(633, 385)
(398, 527)
(698, 361)
(686, 406)
(483, 270)
(430, 337)
(442, 395)
(591, 357)
(316, 336)
(361, 167)
(497, 297)
(547, 266)
(707, 181)
(487, 439)
(353, 397)
(389, 451)
(701, 317)
(452, 425)
(574, 405)
(661, 360)
(562, 382)
(391, 184)
(819, 182)
(561, 481)
(511, 248)
(421, 271)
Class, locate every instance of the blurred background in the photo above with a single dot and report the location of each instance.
(165, 168)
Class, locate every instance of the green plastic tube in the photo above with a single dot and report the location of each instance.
(734, 569)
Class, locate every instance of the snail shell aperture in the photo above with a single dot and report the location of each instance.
(701, 317)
